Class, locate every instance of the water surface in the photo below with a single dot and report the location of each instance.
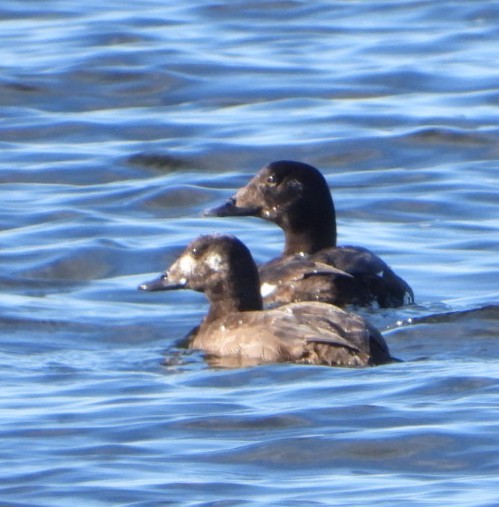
(120, 124)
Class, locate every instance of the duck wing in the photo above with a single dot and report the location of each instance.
(374, 280)
(299, 278)
(341, 328)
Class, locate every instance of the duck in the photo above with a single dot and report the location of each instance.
(238, 331)
(312, 267)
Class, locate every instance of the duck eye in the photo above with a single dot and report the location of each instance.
(272, 179)
(164, 276)
(197, 253)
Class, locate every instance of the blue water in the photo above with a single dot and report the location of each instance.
(120, 123)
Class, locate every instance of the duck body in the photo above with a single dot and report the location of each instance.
(296, 197)
(237, 331)
(308, 333)
(344, 275)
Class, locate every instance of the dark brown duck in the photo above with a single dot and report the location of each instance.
(296, 197)
(237, 331)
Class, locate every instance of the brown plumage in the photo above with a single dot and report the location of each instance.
(237, 331)
(296, 197)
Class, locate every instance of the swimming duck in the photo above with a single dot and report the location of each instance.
(238, 331)
(296, 197)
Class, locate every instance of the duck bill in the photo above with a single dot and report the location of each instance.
(161, 283)
(231, 209)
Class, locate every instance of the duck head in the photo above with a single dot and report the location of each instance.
(293, 195)
(219, 265)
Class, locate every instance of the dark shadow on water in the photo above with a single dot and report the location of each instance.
(161, 162)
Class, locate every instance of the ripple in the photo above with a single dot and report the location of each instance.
(120, 124)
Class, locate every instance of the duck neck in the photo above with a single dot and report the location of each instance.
(241, 294)
(312, 230)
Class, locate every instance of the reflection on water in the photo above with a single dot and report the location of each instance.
(120, 125)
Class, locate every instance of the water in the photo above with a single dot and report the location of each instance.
(120, 123)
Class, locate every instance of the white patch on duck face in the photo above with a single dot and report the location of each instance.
(269, 213)
(187, 263)
(214, 261)
(266, 289)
